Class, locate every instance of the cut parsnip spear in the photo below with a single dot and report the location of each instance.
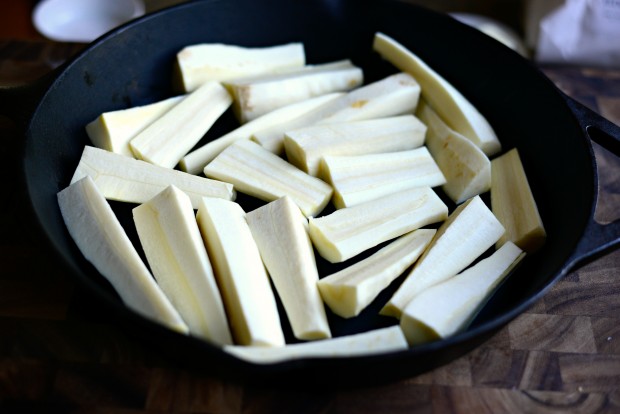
(360, 178)
(469, 231)
(394, 95)
(378, 341)
(447, 307)
(249, 301)
(255, 171)
(466, 168)
(279, 229)
(349, 231)
(305, 146)
(178, 258)
(122, 178)
(200, 63)
(513, 203)
(451, 105)
(103, 242)
(170, 137)
(352, 289)
(113, 130)
(195, 161)
(257, 96)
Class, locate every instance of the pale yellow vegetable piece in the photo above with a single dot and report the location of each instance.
(306, 146)
(248, 299)
(113, 130)
(257, 96)
(469, 231)
(513, 203)
(360, 178)
(393, 95)
(352, 230)
(352, 289)
(103, 242)
(175, 133)
(122, 178)
(178, 258)
(451, 105)
(200, 63)
(466, 168)
(448, 307)
(374, 342)
(255, 171)
(279, 229)
(195, 161)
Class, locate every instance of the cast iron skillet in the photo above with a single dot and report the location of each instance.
(132, 66)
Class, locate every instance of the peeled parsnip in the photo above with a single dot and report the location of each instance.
(175, 133)
(466, 168)
(249, 301)
(352, 230)
(305, 146)
(195, 161)
(201, 63)
(469, 231)
(279, 229)
(447, 307)
(393, 95)
(257, 96)
(360, 178)
(352, 289)
(122, 178)
(513, 203)
(255, 171)
(378, 341)
(451, 105)
(113, 130)
(103, 242)
(178, 258)
(367, 143)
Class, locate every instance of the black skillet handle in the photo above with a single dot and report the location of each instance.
(598, 237)
(18, 102)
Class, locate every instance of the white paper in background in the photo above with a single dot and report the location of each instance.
(584, 32)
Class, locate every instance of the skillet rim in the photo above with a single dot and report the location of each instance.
(459, 339)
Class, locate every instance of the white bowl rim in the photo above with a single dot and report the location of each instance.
(45, 13)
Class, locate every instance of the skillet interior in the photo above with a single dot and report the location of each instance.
(132, 66)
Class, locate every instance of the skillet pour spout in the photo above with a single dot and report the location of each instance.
(133, 64)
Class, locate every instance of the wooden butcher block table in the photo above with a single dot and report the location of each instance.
(59, 353)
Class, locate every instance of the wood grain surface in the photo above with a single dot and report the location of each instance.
(59, 353)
